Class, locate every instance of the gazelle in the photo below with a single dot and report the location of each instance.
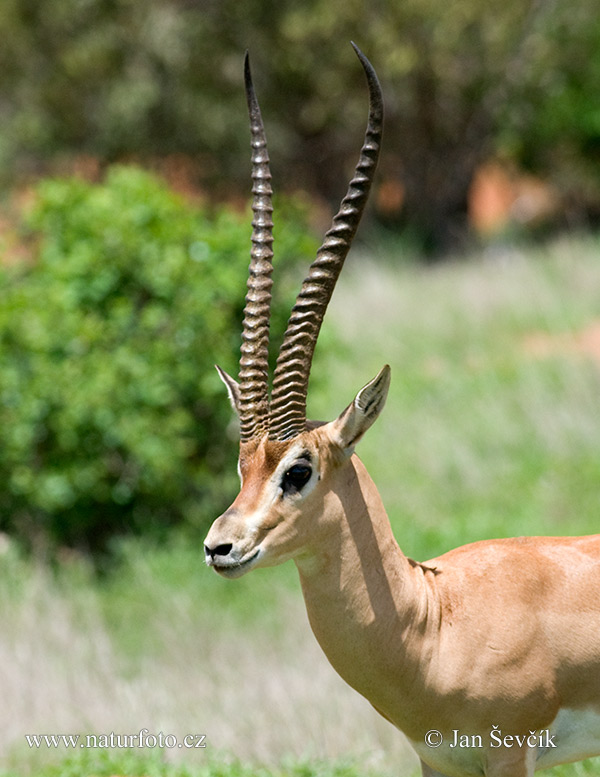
(488, 657)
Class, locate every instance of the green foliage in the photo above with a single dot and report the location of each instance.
(112, 417)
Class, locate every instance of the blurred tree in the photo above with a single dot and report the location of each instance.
(462, 80)
(112, 417)
(557, 132)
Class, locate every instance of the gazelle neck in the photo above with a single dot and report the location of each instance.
(367, 604)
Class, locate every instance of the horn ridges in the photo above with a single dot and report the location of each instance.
(290, 381)
(254, 361)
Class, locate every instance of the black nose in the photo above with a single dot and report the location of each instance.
(220, 550)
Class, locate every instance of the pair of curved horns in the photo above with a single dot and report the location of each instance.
(284, 416)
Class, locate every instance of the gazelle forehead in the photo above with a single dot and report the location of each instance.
(264, 457)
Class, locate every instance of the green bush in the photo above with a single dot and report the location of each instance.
(112, 417)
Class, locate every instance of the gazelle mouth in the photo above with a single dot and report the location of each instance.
(236, 568)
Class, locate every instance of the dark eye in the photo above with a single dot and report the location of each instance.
(296, 478)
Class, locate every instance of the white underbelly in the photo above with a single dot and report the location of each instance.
(572, 736)
(576, 734)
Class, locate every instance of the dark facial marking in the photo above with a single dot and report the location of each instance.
(298, 475)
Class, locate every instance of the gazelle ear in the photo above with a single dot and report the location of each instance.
(350, 426)
(233, 388)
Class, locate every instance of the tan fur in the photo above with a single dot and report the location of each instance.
(500, 633)
(499, 638)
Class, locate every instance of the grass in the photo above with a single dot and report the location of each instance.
(481, 436)
(163, 645)
(130, 762)
(486, 433)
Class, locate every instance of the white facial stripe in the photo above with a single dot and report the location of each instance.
(272, 491)
(253, 523)
(288, 461)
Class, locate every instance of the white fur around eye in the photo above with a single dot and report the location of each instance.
(295, 456)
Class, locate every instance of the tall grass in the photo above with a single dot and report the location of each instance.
(486, 433)
(160, 647)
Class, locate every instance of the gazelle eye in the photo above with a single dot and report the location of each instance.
(296, 477)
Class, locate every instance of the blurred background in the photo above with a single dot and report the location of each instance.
(492, 116)
(124, 243)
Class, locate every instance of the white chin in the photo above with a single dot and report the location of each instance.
(231, 571)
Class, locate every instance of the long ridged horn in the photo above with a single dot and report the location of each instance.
(253, 407)
(290, 381)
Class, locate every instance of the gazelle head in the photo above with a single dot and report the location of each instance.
(286, 464)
